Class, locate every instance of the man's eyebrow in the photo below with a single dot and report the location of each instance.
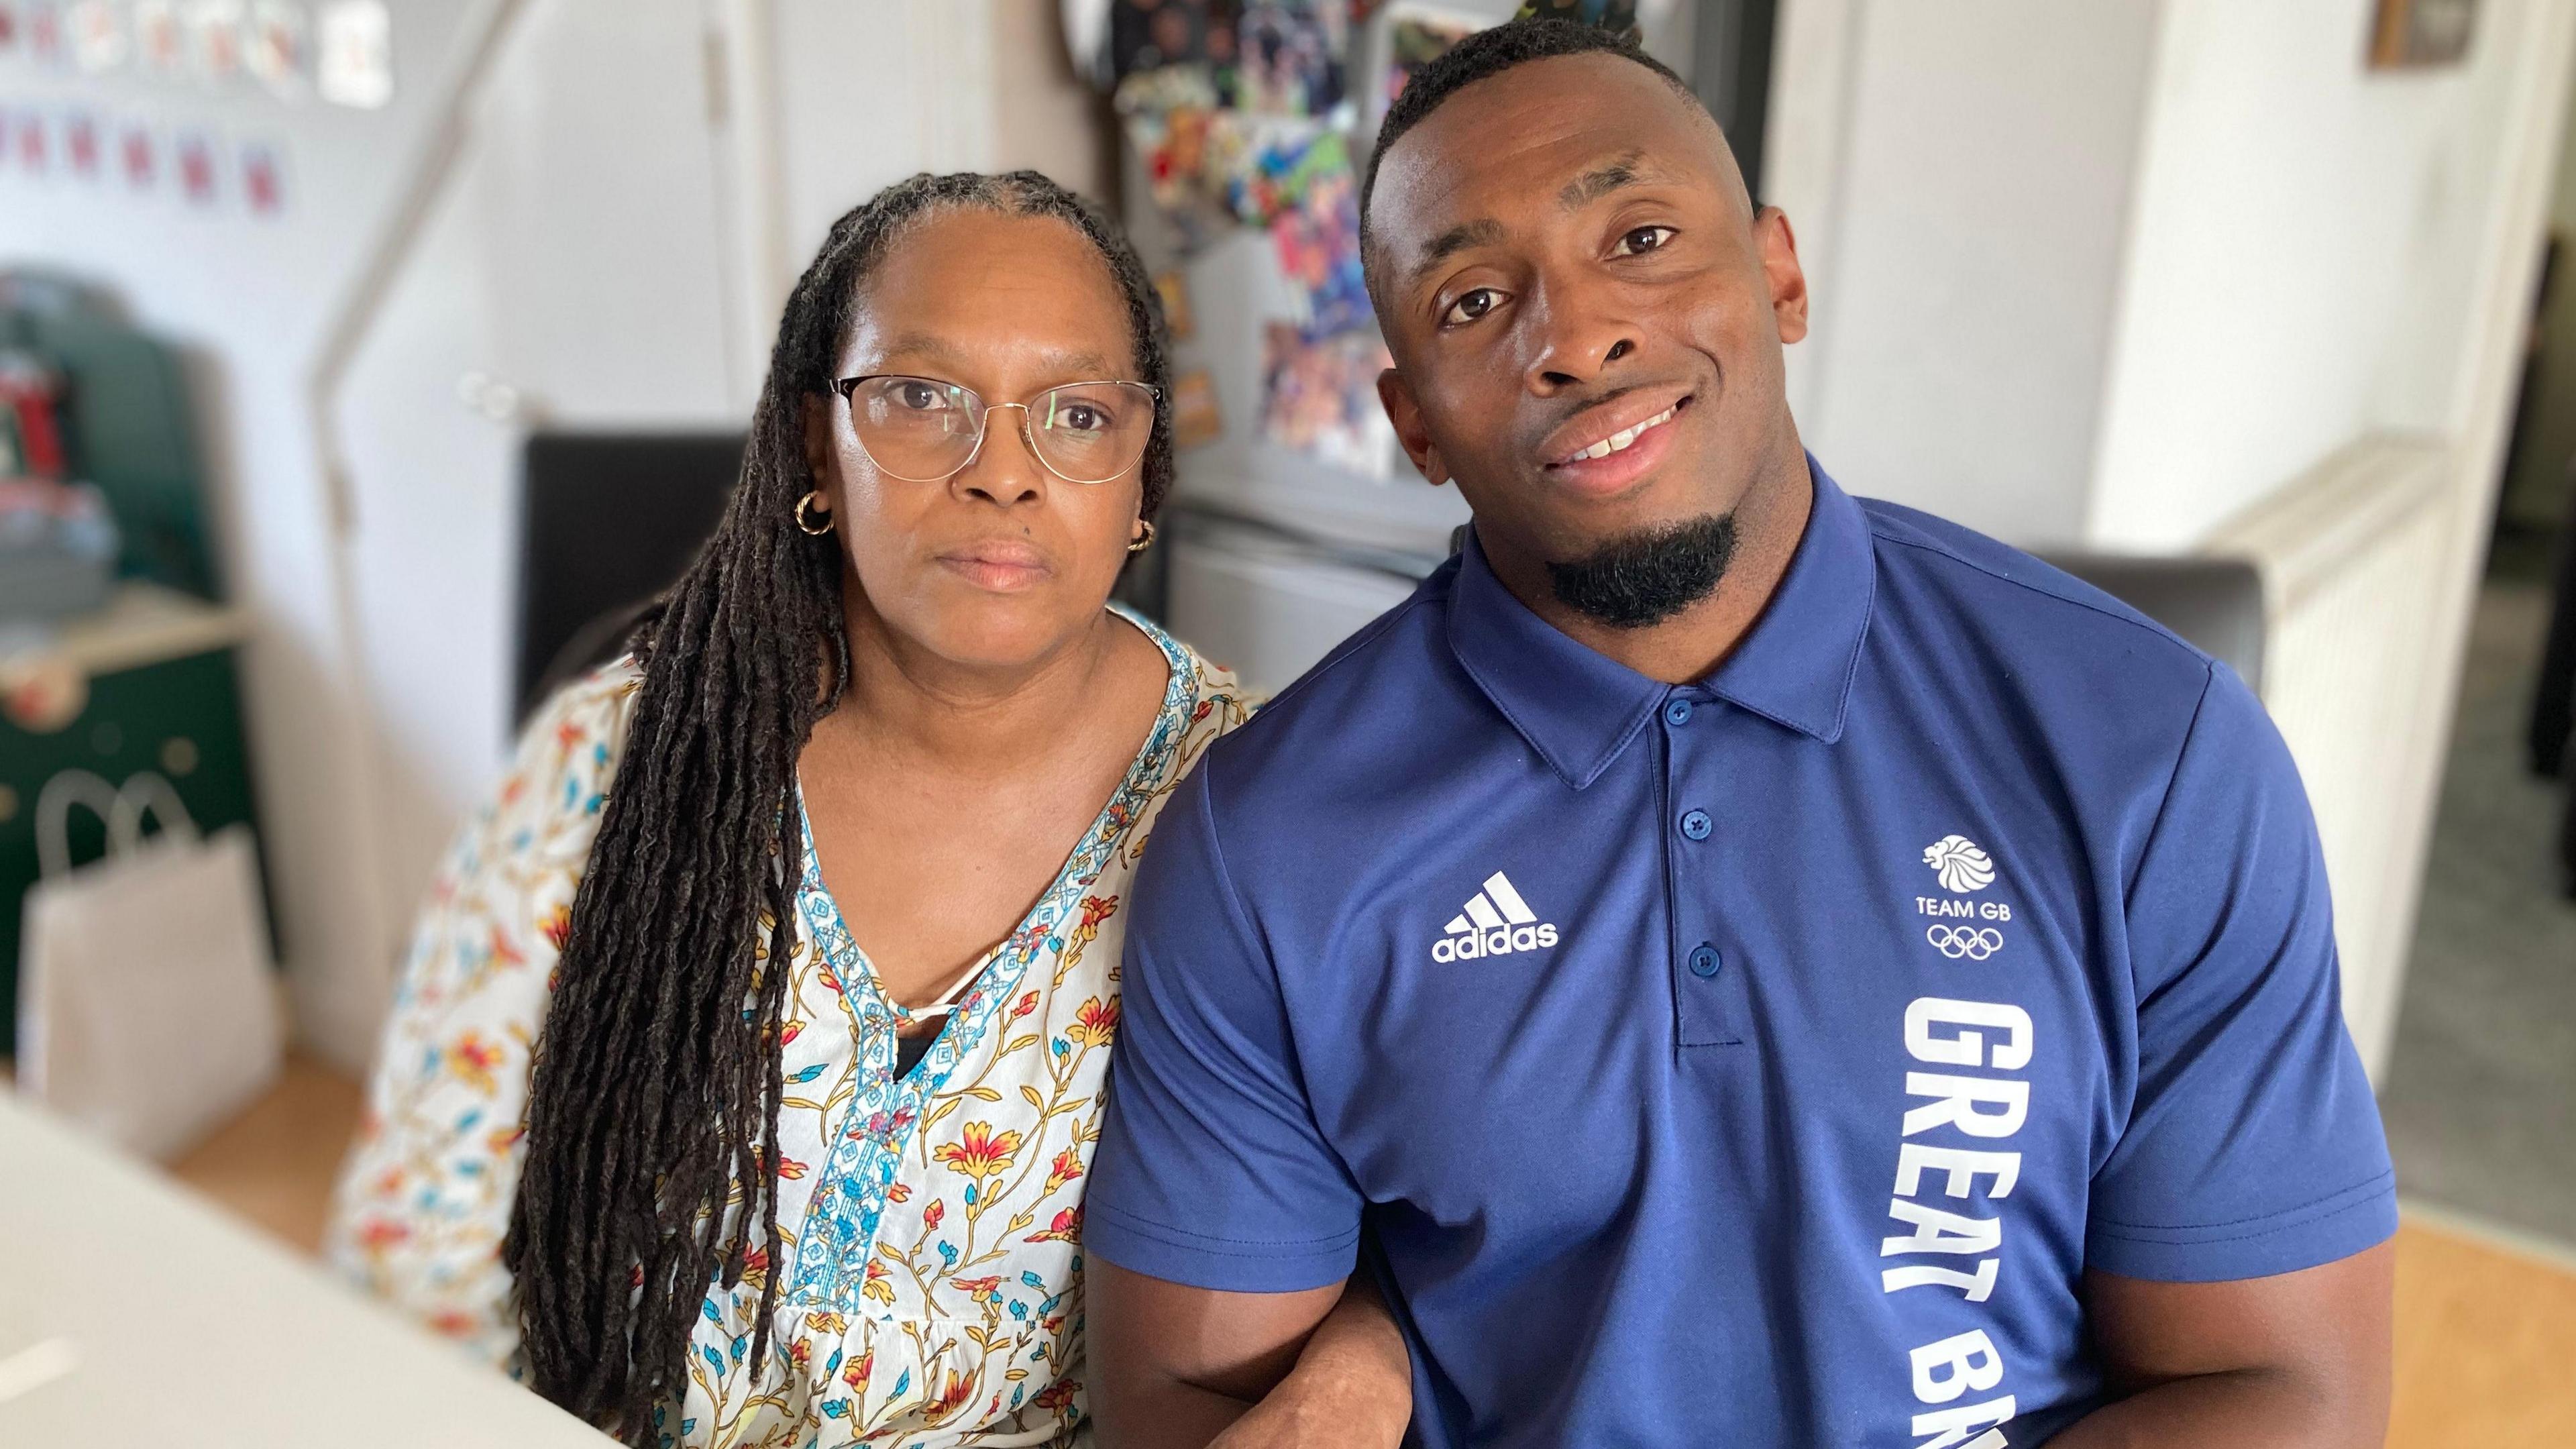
(1600, 181)
(1481, 233)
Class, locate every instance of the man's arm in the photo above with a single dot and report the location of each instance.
(2298, 1361)
(1212, 1170)
(2239, 1274)
(1176, 1367)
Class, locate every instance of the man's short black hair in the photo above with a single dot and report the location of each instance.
(1489, 53)
(1483, 54)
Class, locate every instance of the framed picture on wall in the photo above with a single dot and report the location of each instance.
(2411, 34)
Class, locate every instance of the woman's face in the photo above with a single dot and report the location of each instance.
(1004, 562)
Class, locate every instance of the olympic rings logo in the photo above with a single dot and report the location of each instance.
(1971, 942)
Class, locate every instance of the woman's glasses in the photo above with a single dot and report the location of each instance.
(923, 430)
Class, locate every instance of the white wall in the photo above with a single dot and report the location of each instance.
(576, 255)
(1959, 176)
(2109, 274)
(246, 296)
(867, 94)
(837, 100)
(1044, 118)
(2305, 232)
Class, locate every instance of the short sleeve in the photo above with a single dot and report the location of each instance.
(2252, 1145)
(1211, 1171)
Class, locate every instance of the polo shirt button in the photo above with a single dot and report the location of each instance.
(1697, 825)
(1704, 961)
(1677, 710)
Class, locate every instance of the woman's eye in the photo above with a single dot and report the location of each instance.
(1469, 307)
(912, 395)
(1082, 418)
(1642, 240)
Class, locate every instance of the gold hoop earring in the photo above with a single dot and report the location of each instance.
(1145, 541)
(807, 524)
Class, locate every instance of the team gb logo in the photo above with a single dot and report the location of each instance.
(1962, 866)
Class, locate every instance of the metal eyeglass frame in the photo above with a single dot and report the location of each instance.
(983, 428)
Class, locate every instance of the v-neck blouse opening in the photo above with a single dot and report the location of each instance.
(842, 950)
(883, 1113)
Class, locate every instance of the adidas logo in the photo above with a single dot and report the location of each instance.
(1497, 922)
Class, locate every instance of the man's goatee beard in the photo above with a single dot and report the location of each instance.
(1643, 578)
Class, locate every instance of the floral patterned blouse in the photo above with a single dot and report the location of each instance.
(929, 1225)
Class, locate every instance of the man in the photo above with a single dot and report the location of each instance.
(1765, 969)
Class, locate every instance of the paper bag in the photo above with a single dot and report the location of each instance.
(148, 1012)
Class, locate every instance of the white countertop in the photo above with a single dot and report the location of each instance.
(130, 1309)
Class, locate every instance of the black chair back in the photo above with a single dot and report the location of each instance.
(2215, 603)
(607, 522)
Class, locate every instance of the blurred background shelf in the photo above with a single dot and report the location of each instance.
(160, 673)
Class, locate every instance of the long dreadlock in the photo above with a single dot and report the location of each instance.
(653, 1109)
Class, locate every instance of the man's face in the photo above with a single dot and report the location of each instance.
(1585, 317)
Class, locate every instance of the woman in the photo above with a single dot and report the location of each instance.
(745, 1071)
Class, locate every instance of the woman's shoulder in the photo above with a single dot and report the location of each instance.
(582, 726)
(1222, 695)
(549, 798)
(598, 700)
(1211, 700)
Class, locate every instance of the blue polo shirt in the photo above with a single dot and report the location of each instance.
(1761, 1061)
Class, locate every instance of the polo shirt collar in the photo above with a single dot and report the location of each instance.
(1795, 669)
(1579, 709)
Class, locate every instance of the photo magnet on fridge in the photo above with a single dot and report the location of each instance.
(1289, 60)
(1149, 34)
(1417, 35)
(1283, 159)
(1195, 419)
(1618, 16)
(1318, 244)
(1321, 398)
(1174, 288)
(1173, 122)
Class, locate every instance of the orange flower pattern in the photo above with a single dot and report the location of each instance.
(929, 1226)
(1095, 1024)
(1068, 1166)
(1066, 1228)
(980, 1154)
